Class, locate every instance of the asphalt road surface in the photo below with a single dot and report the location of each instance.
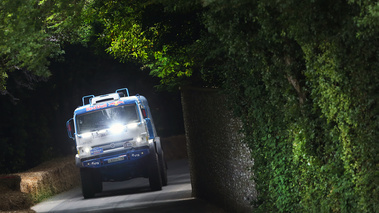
(134, 196)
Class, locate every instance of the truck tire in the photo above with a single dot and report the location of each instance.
(88, 183)
(155, 178)
(98, 181)
(163, 168)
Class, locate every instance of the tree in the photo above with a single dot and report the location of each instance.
(32, 33)
(143, 31)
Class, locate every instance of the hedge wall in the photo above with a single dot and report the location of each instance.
(220, 164)
(303, 76)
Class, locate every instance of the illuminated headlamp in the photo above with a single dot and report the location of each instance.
(84, 150)
(86, 135)
(132, 125)
(142, 139)
(117, 128)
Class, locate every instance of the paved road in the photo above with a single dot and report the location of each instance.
(134, 196)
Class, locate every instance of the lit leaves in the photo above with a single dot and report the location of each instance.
(32, 32)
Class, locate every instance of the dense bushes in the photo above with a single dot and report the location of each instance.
(304, 78)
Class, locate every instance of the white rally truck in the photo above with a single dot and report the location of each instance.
(116, 140)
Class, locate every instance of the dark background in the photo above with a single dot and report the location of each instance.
(34, 112)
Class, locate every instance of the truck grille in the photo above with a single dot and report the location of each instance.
(123, 151)
(113, 145)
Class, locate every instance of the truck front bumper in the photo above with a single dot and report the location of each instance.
(121, 157)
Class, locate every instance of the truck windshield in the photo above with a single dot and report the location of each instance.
(105, 118)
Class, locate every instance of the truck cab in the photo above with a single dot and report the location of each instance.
(116, 140)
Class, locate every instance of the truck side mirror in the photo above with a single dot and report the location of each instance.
(70, 128)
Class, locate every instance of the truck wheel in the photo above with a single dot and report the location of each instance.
(99, 181)
(154, 172)
(88, 182)
(163, 168)
(99, 186)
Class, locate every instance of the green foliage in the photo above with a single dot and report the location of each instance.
(303, 77)
(32, 33)
(142, 31)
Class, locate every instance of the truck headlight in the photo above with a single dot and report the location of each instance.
(141, 139)
(86, 135)
(117, 128)
(132, 125)
(86, 150)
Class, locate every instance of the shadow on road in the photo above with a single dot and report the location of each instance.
(135, 196)
(188, 205)
(125, 191)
